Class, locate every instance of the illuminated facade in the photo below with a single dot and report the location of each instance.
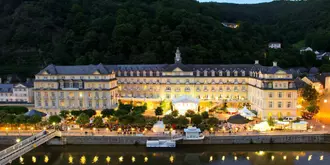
(270, 90)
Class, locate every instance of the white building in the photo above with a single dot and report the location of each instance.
(302, 50)
(16, 93)
(275, 45)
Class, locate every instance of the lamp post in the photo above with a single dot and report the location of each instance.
(54, 124)
(19, 131)
(7, 131)
(81, 130)
(32, 130)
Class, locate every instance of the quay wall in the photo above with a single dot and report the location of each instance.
(141, 140)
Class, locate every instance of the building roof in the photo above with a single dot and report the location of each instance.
(299, 82)
(313, 70)
(322, 77)
(6, 88)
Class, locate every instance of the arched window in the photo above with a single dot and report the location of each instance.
(205, 73)
(243, 73)
(187, 89)
(198, 73)
(150, 73)
(212, 73)
(235, 73)
(220, 73)
(168, 89)
(137, 73)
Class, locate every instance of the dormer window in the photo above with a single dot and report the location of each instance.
(243, 73)
(144, 73)
(125, 73)
(150, 73)
(198, 73)
(137, 73)
(235, 74)
(131, 73)
(119, 73)
(212, 73)
(220, 73)
(228, 73)
(205, 73)
(157, 73)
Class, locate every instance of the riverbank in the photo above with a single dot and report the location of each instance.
(209, 140)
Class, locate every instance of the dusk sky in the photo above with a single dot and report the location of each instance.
(237, 1)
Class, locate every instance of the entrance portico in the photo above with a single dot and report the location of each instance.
(184, 103)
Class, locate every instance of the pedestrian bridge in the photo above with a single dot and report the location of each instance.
(15, 151)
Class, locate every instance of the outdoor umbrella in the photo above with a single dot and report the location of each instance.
(33, 112)
(238, 119)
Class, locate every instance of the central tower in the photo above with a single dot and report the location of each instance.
(177, 56)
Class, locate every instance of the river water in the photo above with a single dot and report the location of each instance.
(315, 154)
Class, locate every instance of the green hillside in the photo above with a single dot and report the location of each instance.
(35, 33)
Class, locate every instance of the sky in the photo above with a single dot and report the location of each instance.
(237, 1)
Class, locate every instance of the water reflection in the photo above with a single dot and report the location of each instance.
(140, 155)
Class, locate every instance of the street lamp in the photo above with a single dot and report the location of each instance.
(325, 100)
(7, 131)
(81, 130)
(54, 125)
(19, 131)
(32, 130)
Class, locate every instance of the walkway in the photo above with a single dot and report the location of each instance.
(20, 148)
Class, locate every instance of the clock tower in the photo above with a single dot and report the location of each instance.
(177, 56)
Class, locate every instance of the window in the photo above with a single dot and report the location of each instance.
(205, 73)
(279, 104)
(280, 94)
(243, 73)
(212, 73)
(289, 95)
(80, 103)
(235, 73)
(270, 104)
(137, 73)
(198, 73)
(157, 73)
(289, 104)
(187, 89)
(228, 73)
(270, 95)
(131, 73)
(53, 103)
(168, 89)
(220, 73)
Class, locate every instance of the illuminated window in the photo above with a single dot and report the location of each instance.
(270, 104)
(270, 95)
(280, 94)
(289, 95)
(279, 104)
(289, 104)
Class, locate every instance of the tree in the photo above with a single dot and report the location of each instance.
(271, 121)
(168, 119)
(107, 112)
(82, 119)
(165, 105)
(213, 121)
(205, 115)
(158, 111)
(309, 93)
(9, 119)
(54, 119)
(90, 112)
(182, 121)
(313, 108)
(175, 113)
(196, 119)
(34, 119)
(98, 122)
(76, 113)
(20, 119)
(64, 114)
(190, 113)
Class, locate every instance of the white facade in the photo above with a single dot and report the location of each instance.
(16, 93)
(275, 45)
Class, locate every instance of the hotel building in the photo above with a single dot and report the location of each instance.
(269, 89)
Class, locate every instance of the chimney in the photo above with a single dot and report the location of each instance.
(256, 61)
(274, 63)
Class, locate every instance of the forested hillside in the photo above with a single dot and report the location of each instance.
(35, 33)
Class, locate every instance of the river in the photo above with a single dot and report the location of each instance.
(315, 154)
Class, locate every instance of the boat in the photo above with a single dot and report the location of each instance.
(161, 144)
(193, 133)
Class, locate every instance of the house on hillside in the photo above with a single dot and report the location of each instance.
(16, 93)
(230, 25)
(305, 49)
(321, 55)
(275, 45)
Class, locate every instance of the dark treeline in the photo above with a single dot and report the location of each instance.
(35, 33)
